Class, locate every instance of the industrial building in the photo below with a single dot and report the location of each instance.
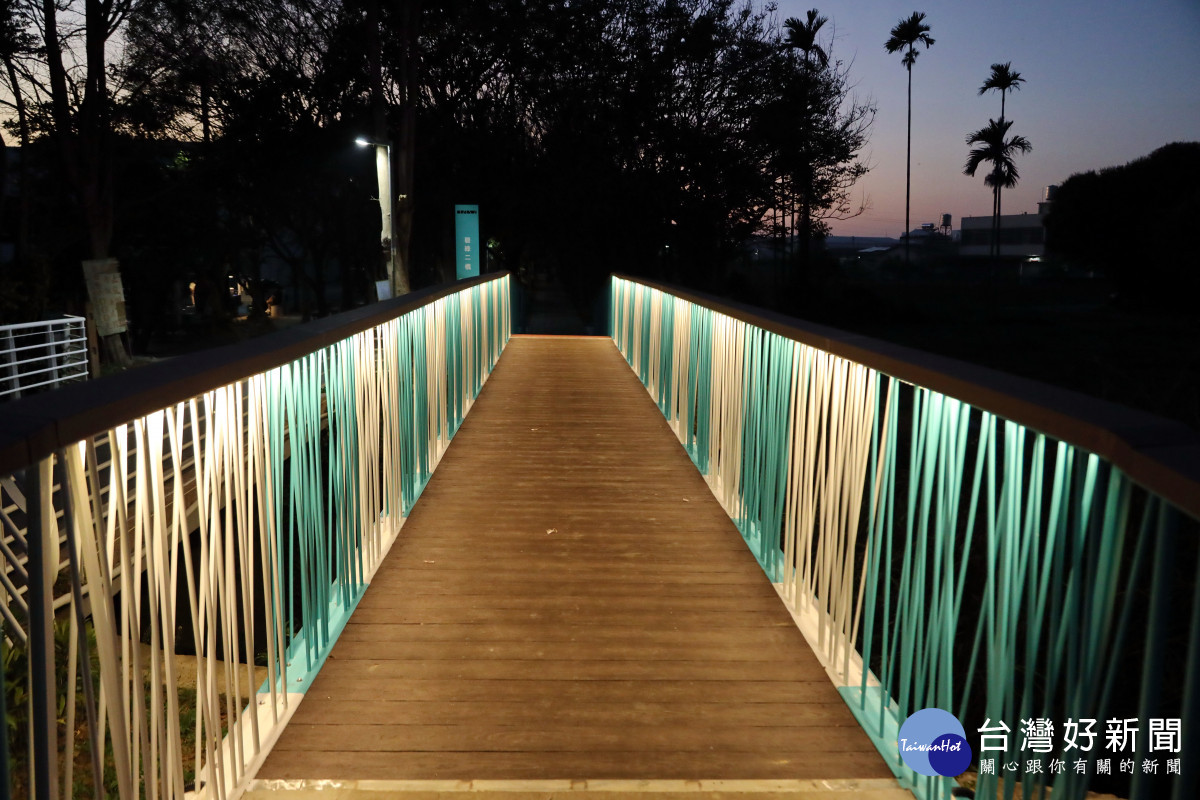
(1021, 235)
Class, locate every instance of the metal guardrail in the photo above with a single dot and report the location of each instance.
(41, 355)
(948, 536)
(296, 455)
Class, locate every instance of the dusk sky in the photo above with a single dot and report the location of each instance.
(1107, 81)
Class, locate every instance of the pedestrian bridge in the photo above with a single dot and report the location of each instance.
(718, 553)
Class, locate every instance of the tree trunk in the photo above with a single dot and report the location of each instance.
(806, 185)
(998, 215)
(85, 140)
(59, 107)
(205, 101)
(806, 226)
(410, 15)
(776, 270)
(23, 167)
(380, 133)
(96, 135)
(908, 164)
(994, 238)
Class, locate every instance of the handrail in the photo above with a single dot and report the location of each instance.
(42, 323)
(33, 428)
(1159, 454)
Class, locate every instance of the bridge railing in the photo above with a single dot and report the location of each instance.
(948, 536)
(232, 506)
(40, 355)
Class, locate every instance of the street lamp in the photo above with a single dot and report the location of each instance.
(383, 172)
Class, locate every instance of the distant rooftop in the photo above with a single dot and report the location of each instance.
(859, 242)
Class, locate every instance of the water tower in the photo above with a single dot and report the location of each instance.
(946, 228)
(1048, 195)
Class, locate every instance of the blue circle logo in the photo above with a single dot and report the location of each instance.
(933, 742)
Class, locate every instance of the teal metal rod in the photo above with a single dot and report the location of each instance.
(1187, 785)
(1161, 584)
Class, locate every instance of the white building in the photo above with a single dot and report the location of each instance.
(1021, 236)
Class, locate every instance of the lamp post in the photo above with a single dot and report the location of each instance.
(383, 172)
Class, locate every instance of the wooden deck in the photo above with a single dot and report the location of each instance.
(568, 601)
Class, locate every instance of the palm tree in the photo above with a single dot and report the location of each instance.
(1003, 79)
(802, 35)
(991, 146)
(905, 36)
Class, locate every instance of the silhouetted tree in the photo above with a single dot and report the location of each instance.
(82, 121)
(825, 127)
(802, 35)
(17, 44)
(906, 35)
(1004, 79)
(645, 135)
(990, 146)
(1146, 254)
(284, 82)
(637, 122)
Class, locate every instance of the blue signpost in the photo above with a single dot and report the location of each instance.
(466, 240)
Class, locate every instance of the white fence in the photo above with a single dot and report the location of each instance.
(38, 355)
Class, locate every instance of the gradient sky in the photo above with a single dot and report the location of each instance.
(1106, 82)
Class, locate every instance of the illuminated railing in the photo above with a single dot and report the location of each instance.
(41, 355)
(984, 544)
(234, 505)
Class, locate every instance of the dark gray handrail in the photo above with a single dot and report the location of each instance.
(34, 427)
(1161, 455)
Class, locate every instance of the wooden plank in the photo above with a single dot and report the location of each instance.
(644, 565)
(681, 543)
(465, 584)
(385, 610)
(526, 631)
(351, 678)
(546, 713)
(580, 650)
(553, 736)
(670, 604)
(415, 574)
(568, 601)
(580, 670)
(713, 765)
